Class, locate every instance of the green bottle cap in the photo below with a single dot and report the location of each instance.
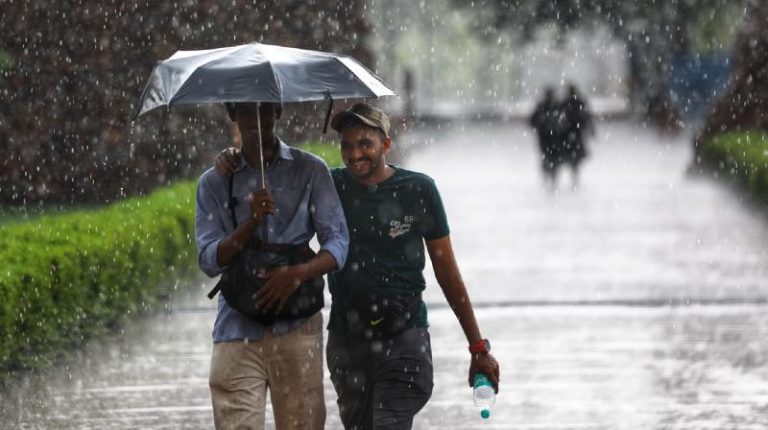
(485, 413)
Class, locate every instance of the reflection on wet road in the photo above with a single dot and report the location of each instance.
(582, 367)
(636, 301)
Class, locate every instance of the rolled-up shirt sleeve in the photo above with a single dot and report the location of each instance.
(208, 228)
(328, 216)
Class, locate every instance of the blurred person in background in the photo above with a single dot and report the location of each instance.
(548, 121)
(578, 124)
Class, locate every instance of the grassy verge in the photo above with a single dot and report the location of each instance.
(743, 157)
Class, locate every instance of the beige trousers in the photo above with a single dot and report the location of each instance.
(290, 366)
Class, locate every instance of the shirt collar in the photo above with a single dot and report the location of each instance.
(284, 152)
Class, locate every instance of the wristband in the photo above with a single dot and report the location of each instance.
(481, 346)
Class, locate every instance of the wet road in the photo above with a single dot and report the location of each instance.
(636, 301)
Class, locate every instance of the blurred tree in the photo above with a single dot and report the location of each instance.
(744, 105)
(71, 74)
(654, 31)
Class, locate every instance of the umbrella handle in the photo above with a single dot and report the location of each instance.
(261, 162)
(261, 147)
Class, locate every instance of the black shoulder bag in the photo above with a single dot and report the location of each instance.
(241, 280)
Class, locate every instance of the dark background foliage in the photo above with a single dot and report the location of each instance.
(71, 73)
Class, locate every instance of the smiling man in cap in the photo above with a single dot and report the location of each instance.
(379, 353)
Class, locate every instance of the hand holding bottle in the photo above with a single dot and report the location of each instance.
(483, 394)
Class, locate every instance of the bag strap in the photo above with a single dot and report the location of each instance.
(232, 202)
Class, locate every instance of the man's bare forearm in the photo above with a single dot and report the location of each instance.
(231, 245)
(450, 281)
(318, 265)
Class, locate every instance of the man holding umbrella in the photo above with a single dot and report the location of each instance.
(285, 358)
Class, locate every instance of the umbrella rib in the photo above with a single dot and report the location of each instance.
(177, 93)
(140, 107)
(278, 83)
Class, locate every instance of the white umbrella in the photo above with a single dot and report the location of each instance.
(258, 73)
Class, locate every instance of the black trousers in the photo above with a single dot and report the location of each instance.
(381, 384)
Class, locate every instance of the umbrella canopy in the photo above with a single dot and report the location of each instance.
(257, 73)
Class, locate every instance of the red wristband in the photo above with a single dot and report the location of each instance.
(481, 346)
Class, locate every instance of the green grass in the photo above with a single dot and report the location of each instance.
(743, 157)
(328, 151)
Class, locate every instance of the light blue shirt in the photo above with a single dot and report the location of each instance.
(306, 204)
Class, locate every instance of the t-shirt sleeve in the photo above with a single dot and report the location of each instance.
(437, 222)
(328, 215)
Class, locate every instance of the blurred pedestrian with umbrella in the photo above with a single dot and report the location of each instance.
(578, 124)
(548, 121)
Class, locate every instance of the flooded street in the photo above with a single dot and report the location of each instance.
(635, 301)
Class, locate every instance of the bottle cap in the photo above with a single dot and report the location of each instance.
(485, 413)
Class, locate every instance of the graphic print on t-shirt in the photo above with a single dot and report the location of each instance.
(398, 228)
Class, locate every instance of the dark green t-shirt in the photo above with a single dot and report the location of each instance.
(388, 224)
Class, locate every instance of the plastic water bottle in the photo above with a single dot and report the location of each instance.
(483, 394)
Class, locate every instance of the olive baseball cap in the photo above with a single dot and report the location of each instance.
(368, 115)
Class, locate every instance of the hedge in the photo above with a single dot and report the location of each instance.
(742, 156)
(67, 277)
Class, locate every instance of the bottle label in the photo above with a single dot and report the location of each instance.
(481, 379)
